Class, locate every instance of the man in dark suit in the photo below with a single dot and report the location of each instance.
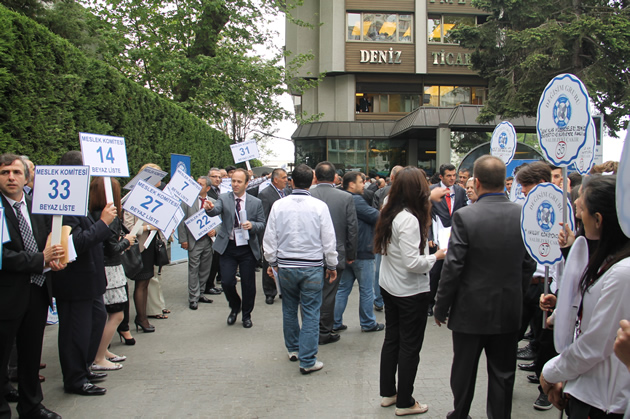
(454, 199)
(26, 289)
(268, 196)
(215, 190)
(79, 291)
(199, 251)
(481, 291)
(236, 249)
(344, 217)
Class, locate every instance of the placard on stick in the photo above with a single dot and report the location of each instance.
(503, 142)
(244, 151)
(149, 175)
(151, 205)
(201, 223)
(184, 187)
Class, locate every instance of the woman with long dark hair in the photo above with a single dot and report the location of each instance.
(401, 237)
(115, 295)
(597, 382)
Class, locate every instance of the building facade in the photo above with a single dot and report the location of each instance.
(397, 88)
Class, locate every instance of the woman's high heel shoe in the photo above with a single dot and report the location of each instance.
(130, 341)
(148, 329)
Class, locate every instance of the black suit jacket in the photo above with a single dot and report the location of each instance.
(212, 194)
(18, 264)
(268, 196)
(84, 278)
(486, 269)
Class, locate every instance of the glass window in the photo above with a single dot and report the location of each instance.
(348, 155)
(439, 27)
(310, 152)
(379, 27)
(354, 26)
(385, 154)
(454, 95)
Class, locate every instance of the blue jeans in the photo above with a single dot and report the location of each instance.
(378, 298)
(301, 286)
(363, 271)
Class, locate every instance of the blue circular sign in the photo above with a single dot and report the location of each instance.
(546, 216)
(562, 112)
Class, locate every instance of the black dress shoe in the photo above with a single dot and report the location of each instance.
(247, 323)
(214, 291)
(192, 305)
(332, 338)
(204, 299)
(530, 367)
(269, 299)
(12, 396)
(96, 376)
(232, 318)
(533, 378)
(526, 353)
(87, 389)
(41, 413)
(430, 312)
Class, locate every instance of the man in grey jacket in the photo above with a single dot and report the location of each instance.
(344, 218)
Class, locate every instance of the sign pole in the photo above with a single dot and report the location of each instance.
(57, 223)
(544, 325)
(565, 194)
(109, 193)
(249, 167)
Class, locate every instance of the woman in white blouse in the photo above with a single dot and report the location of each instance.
(401, 237)
(596, 381)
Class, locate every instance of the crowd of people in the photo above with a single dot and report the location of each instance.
(313, 233)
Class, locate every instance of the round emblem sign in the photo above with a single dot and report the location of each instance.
(540, 223)
(562, 120)
(503, 142)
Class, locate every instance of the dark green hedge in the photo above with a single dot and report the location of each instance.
(49, 92)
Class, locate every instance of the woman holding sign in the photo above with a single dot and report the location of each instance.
(146, 240)
(115, 295)
(588, 371)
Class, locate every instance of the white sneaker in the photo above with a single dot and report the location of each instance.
(293, 356)
(318, 366)
(388, 401)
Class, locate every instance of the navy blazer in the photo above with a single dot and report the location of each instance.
(226, 208)
(18, 264)
(84, 279)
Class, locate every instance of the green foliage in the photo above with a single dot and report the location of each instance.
(524, 44)
(51, 91)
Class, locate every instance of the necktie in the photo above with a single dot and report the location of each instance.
(448, 202)
(281, 192)
(203, 201)
(238, 211)
(29, 241)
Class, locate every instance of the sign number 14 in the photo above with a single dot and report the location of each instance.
(109, 156)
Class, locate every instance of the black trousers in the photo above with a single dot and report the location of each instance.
(501, 364)
(327, 310)
(81, 324)
(28, 333)
(215, 272)
(268, 283)
(405, 323)
(240, 257)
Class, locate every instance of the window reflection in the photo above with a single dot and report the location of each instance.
(379, 27)
(439, 27)
(310, 152)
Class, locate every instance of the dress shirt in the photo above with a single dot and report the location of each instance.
(451, 193)
(237, 216)
(299, 231)
(404, 271)
(593, 372)
(23, 209)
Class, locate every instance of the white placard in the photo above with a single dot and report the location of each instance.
(516, 193)
(586, 157)
(106, 155)
(201, 223)
(61, 190)
(151, 205)
(246, 150)
(177, 218)
(149, 175)
(540, 223)
(623, 188)
(503, 142)
(184, 187)
(226, 185)
(562, 119)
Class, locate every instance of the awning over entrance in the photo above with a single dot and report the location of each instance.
(459, 118)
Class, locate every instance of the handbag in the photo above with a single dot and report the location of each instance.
(132, 261)
(161, 255)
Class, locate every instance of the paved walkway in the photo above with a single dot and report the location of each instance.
(195, 366)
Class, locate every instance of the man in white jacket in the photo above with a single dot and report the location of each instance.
(298, 242)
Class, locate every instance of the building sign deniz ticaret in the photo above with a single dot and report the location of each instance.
(381, 57)
(450, 58)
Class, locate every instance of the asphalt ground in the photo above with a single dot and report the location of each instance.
(195, 366)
